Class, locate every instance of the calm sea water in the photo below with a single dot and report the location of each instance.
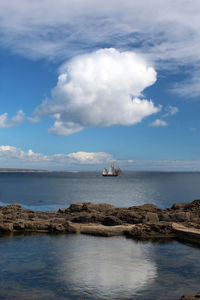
(49, 191)
(49, 266)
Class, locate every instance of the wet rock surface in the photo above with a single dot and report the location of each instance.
(140, 222)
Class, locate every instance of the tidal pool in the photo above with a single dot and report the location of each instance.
(49, 266)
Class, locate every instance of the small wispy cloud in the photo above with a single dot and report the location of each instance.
(170, 111)
(189, 87)
(158, 123)
(19, 118)
(6, 122)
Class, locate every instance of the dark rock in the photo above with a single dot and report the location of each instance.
(191, 297)
(165, 216)
(88, 218)
(111, 221)
(181, 216)
(62, 210)
(31, 215)
(56, 228)
(76, 207)
(179, 206)
(129, 216)
(19, 225)
(195, 203)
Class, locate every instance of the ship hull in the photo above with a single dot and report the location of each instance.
(109, 175)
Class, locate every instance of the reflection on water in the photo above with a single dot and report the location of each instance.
(106, 267)
(83, 267)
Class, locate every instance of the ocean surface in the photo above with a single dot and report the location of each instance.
(50, 191)
(59, 266)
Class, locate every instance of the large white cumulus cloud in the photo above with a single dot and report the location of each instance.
(99, 89)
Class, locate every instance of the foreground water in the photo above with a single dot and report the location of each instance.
(84, 267)
(47, 266)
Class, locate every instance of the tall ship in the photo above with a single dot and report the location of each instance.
(111, 172)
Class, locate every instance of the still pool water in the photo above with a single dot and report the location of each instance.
(47, 266)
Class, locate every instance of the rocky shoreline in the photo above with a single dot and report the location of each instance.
(140, 222)
(181, 221)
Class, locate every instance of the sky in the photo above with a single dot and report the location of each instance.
(85, 83)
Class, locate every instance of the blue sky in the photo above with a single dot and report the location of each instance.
(86, 82)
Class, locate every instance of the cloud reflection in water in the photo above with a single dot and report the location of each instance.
(105, 267)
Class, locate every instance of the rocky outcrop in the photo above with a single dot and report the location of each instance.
(191, 297)
(152, 231)
(139, 222)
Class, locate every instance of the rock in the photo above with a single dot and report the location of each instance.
(104, 207)
(6, 227)
(16, 205)
(129, 216)
(152, 217)
(85, 217)
(111, 221)
(62, 210)
(56, 228)
(58, 220)
(146, 231)
(165, 216)
(19, 225)
(144, 221)
(76, 207)
(101, 230)
(89, 207)
(191, 297)
(36, 226)
(146, 207)
(179, 206)
(190, 234)
(71, 227)
(31, 215)
(181, 216)
(195, 203)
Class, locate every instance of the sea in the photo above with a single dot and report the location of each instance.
(68, 266)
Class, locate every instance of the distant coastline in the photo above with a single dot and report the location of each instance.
(13, 170)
